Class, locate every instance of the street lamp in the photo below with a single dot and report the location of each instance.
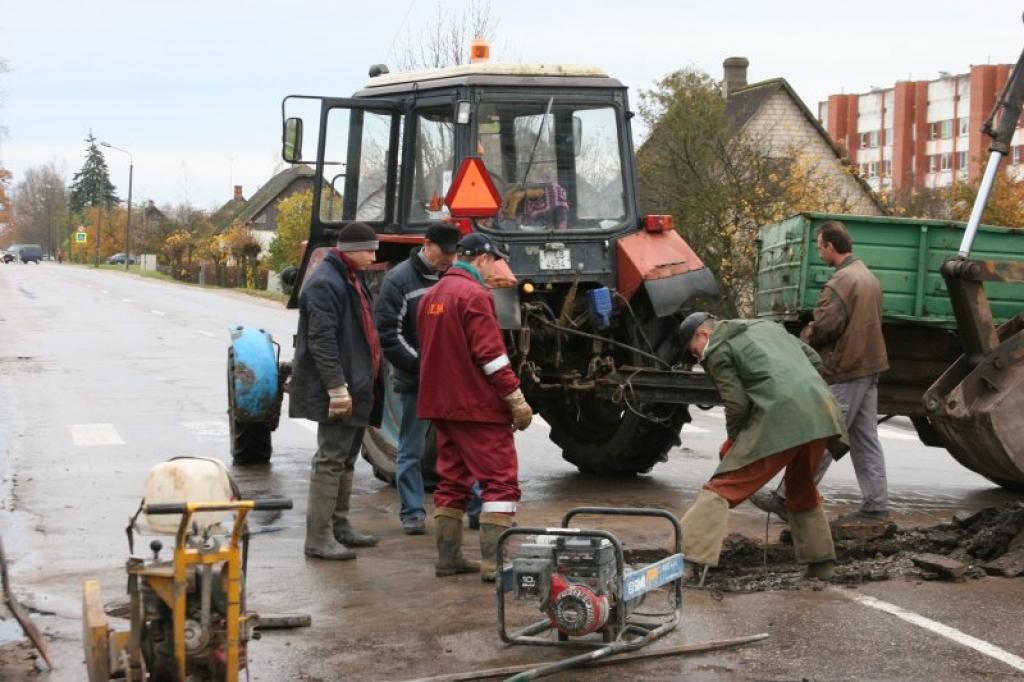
(128, 223)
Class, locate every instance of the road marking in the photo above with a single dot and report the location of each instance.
(896, 434)
(104, 291)
(86, 435)
(692, 428)
(205, 333)
(126, 300)
(979, 645)
(157, 312)
(207, 429)
(305, 423)
(714, 414)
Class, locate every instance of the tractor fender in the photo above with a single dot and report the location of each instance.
(666, 267)
(254, 393)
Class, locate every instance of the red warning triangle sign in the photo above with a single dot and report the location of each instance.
(472, 194)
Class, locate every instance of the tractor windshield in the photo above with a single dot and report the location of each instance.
(557, 165)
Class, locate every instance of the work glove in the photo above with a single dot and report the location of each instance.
(724, 450)
(522, 415)
(339, 408)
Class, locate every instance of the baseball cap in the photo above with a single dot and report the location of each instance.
(445, 236)
(477, 243)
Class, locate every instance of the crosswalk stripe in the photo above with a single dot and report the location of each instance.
(207, 429)
(88, 435)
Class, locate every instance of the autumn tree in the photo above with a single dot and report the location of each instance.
(293, 217)
(719, 183)
(240, 241)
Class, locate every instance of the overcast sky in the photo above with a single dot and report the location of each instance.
(193, 89)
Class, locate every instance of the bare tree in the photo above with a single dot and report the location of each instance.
(39, 203)
(445, 39)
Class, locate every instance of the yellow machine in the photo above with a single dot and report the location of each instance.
(188, 618)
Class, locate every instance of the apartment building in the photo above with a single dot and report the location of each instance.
(920, 134)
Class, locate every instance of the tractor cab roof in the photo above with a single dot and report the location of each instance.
(490, 74)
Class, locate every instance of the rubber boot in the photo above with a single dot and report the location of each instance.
(448, 529)
(812, 542)
(705, 525)
(343, 530)
(320, 541)
(491, 526)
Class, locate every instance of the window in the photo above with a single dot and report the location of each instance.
(1015, 156)
(356, 161)
(964, 126)
(433, 162)
(888, 137)
(933, 164)
(555, 171)
(940, 130)
(873, 170)
(961, 161)
(864, 169)
(946, 161)
(869, 139)
(947, 129)
(887, 168)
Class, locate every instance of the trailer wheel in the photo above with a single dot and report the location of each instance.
(606, 439)
(380, 445)
(250, 441)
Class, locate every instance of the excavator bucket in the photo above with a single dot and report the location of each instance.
(976, 407)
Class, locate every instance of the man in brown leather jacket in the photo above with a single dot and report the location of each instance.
(847, 333)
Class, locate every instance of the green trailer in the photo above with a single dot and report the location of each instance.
(919, 324)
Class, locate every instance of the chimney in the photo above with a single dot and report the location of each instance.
(735, 74)
(238, 193)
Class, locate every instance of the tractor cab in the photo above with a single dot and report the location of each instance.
(555, 141)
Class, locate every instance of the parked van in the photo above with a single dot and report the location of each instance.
(28, 253)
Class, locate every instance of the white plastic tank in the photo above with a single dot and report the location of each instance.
(187, 479)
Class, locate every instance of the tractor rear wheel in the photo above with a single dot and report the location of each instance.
(600, 437)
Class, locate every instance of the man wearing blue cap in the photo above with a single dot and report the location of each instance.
(470, 392)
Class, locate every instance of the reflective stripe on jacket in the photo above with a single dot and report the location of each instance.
(464, 366)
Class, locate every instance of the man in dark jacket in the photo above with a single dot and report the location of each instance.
(847, 333)
(395, 313)
(779, 414)
(469, 391)
(336, 382)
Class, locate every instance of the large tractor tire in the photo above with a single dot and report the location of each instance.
(380, 445)
(250, 441)
(607, 439)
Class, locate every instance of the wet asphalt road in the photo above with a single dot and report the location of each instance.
(104, 374)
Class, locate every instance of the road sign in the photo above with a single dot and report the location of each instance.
(80, 237)
(472, 195)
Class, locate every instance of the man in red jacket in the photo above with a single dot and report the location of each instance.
(468, 389)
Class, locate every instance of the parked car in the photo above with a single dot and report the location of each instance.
(119, 258)
(28, 253)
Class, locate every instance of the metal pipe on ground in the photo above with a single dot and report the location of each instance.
(686, 649)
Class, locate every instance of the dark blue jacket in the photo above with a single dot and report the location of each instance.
(395, 314)
(331, 347)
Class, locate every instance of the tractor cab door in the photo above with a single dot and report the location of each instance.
(352, 168)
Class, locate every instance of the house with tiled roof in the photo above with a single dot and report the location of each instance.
(772, 113)
(259, 212)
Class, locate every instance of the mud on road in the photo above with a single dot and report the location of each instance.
(970, 545)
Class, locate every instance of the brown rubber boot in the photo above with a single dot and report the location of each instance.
(812, 542)
(448, 529)
(491, 526)
(343, 530)
(705, 525)
(320, 541)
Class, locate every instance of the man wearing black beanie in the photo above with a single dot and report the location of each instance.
(336, 382)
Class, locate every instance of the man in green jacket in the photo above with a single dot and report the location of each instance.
(779, 414)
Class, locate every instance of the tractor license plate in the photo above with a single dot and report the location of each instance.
(555, 259)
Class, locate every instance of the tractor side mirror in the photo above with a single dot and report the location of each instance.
(291, 149)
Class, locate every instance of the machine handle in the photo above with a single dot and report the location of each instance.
(182, 507)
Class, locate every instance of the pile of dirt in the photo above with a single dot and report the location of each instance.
(972, 545)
